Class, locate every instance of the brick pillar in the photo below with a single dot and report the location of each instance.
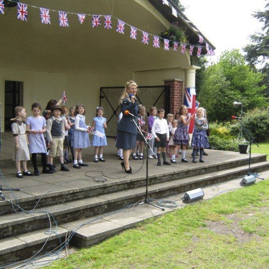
(176, 94)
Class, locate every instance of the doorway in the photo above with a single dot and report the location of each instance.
(13, 98)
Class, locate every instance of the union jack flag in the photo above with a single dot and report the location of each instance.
(166, 44)
(133, 32)
(174, 12)
(64, 98)
(175, 46)
(191, 49)
(22, 12)
(190, 103)
(81, 18)
(199, 50)
(120, 27)
(45, 15)
(201, 39)
(145, 38)
(107, 22)
(96, 21)
(165, 2)
(63, 20)
(183, 48)
(2, 7)
(156, 41)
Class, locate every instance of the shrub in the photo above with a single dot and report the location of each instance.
(219, 143)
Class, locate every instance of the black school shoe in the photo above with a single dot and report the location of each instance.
(76, 166)
(27, 173)
(83, 164)
(19, 175)
(64, 168)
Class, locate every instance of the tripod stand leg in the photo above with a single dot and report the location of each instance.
(147, 201)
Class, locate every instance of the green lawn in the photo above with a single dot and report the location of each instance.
(263, 148)
(229, 231)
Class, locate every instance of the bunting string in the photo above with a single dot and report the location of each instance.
(22, 14)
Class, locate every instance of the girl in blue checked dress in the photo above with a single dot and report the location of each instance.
(199, 137)
(99, 136)
(80, 137)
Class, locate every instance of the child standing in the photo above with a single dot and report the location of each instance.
(152, 117)
(21, 151)
(55, 134)
(171, 144)
(170, 118)
(140, 142)
(181, 137)
(80, 136)
(36, 127)
(199, 137)
(99, 137)
(71, 121)
(66, 136)
(160, 132)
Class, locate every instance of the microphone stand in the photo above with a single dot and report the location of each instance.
(251, 141)
(147, 199)
(9, 189)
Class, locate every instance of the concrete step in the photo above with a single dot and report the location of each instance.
(77, 192)
(20, 223)
(92, 230)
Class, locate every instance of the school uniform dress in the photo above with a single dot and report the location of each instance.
(199, 137)
(171, 140)
(99, 140)
(181, 136)
(142, 127)
(37, 142)
(127, 131)
(19, 129)
(80, 136)
(71, 130)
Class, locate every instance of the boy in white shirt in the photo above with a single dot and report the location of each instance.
(160, 132)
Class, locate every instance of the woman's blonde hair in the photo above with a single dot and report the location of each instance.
(125, 94)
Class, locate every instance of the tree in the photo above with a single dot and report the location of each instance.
(179, 5)
(258, 51)
(227, 81)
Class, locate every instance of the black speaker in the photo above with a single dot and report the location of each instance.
(10, 3)
(193, 195)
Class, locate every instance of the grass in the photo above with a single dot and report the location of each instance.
(229, 231)
(263, 148)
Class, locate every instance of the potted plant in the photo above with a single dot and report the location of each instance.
(174, 34)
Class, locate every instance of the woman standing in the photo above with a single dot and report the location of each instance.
(127, 131)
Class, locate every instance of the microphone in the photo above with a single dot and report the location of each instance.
(132, 96)
(127, 112)
(235, 118)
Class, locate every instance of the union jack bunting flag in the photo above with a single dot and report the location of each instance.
(190, 103)
(107, 22)
(175, 46)
(199, 50)
(45, 15)
(96, 21)
(183, 48)
(166, 44)
(174, 12)
(133, 32)
(145, 38)
(81, 18)
(22, 12)
(165, 2)
(120, 27)
(156, 41)
(64, 98)
(201, 39)
(63, 20)
(191, 49)
(2, 7)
